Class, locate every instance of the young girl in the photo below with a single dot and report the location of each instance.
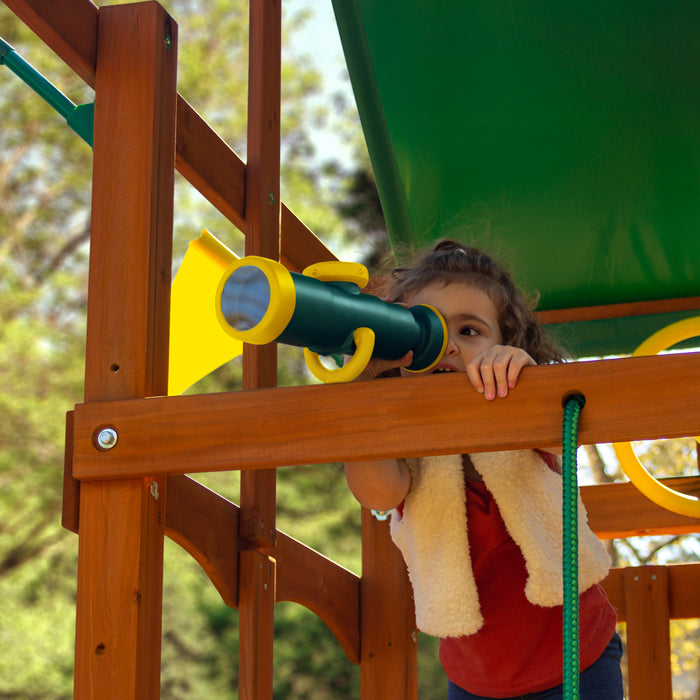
(481, 534)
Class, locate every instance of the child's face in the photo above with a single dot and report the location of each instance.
(471, 318)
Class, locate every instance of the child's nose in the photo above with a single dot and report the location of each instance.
(451, 348)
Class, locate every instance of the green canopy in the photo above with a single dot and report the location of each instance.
(562, 136)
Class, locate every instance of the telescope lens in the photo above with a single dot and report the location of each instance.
(245, 298)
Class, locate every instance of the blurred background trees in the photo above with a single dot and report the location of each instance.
(45, 190)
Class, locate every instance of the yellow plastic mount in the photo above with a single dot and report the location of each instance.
(282, 301)
(364, 342)
(445, 338)
(338, 271)
(653, 489)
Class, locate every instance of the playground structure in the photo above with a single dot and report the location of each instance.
(124, 498)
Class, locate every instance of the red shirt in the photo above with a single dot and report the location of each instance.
(519, 648)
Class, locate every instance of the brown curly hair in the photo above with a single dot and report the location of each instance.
(449, 261)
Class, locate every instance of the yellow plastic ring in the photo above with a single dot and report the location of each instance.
(281, 302)
(364, 342)
(653, 489)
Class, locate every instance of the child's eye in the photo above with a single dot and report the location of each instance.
(468, 330)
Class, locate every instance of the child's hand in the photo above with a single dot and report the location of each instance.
(377, 366)
(496, 370)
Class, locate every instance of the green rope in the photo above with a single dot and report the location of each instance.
(572, 410)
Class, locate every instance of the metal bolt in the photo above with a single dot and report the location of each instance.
(154, 490)
(107, 438)
(272, 197)
(168, 42)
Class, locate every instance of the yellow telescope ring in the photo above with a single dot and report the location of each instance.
(653, 489)
(281, 300)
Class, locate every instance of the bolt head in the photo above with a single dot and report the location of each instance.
(106, 438)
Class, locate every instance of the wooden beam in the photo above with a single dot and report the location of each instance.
(255, 619)
(621, 510)
(258, 510)
(603, 311)
(339, 422)
(206, 526)
(306, 577)
(648, 636)
(388, 621)
(69, 28)
(683, 585)
(120, 552)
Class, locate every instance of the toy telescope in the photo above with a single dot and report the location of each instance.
(259, 301)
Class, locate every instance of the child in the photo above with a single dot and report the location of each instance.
(481, 533)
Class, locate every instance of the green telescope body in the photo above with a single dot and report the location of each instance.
(323, 310)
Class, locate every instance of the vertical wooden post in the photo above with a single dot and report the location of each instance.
(388, 632)
(120, 561)
(262, 216)
(648, 641)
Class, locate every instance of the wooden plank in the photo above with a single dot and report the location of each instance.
(620, 510)
(68, 27)
(256, 604)
(339, 422)
(206, 526)
(262, 202)
(209, 164)
(120, 558)
(299, 248)
(388, 628)
(683, 585)
(648, 638)
(70, 510)
(319, 584)
(603, 311)
(258, 499)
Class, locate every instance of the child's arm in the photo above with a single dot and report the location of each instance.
(379, 484)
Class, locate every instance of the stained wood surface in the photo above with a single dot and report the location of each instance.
(634, 308)
(255, 620)
(621, 510)
(120, 552)
(388, 632)
(648, 637)
(300, 425)
(683, 586)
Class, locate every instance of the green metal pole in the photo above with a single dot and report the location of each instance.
(78, 117)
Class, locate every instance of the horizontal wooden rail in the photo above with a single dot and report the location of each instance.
(620, 510)
(69, 28)
(632, 308)
(440, 414)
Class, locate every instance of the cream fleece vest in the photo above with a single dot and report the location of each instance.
(432, 536)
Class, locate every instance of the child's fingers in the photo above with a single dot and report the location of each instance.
(496, 371)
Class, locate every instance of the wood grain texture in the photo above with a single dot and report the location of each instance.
(316, 424)
(120, 552)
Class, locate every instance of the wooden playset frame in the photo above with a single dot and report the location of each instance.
(124, 501)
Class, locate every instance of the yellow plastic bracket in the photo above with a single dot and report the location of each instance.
(338, 271)
(654, 490)
(364, 342)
